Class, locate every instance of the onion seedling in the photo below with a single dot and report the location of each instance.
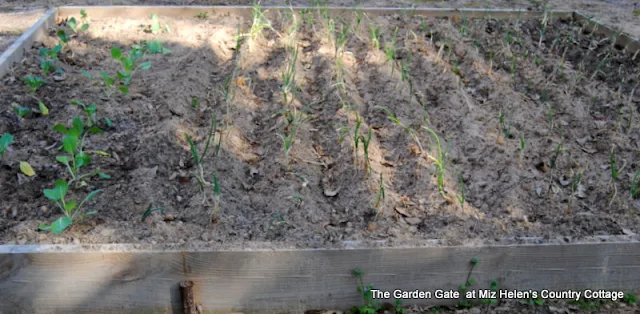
(365, 148)
(615, 173)
(260, 23)
(294, 119)
(199, 157)
(440, 161)
(461, 198)
(635, 185)
(390, 50)
(523, 146)
(397, 121)
(289, 77)
(600, 64)
(576, 181)
(375, 36)
(505, 127)
(5, 141)
(380, 196)
(73, 212)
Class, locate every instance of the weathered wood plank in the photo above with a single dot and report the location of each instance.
(292, 280)
(622, 39)
(15, 52)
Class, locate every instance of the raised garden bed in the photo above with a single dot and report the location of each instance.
(538, 136)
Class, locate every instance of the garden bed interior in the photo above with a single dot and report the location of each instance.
(571, 95)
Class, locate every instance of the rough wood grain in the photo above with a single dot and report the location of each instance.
(15, 52)
(622, 39)
(292, 280)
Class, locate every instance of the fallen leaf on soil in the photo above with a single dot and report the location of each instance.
(25, 167)
(412, 220)
(388, 164)
(240, 81)
(372, 227)
(500, 140)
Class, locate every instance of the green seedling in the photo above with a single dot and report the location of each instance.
(380, 196)
(365, 147)
(390, 50)
(289, 77)
(635, 185)
(22, 112)
(356, 140)
(63, 37)
(34, 83)
(307, 17)
(260, 23)
(463, 27)
(198, 158)
(370, 306)
(505, 126)
(375, 37)
(73, 144)
(576, 181)
(468, 283)
(153, 47)
(461, 186)
(5, 141)
(600, 64)
(129, 65)
(293, 119)
(523, 146)
(156, 27)
(440, 160)
(405, 71)
(73, 212)
(613, 165)
(76, 26)
(397, 121)
(202, 15)
(195, 102)
(630, 298)
(149, 211)
(493, 287)
(341, 38)
(48, 59)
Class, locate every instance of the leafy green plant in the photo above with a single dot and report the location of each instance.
(370, 306)
(156, 27)
(22, 111)
(73, 212)
(48, 59)
(440, 160)
(468, 283)
(493, 287)
(5, 141)
(76, 26)
(129, 65)
(630, 298)
(34, 83)
(73, 144)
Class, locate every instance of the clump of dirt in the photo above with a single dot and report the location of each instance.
(454, 77)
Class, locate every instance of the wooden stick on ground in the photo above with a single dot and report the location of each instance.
(188, 303)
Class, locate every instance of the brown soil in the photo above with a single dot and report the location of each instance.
(268, 197)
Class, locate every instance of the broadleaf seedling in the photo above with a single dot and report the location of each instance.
(73, 212)
(5, 141)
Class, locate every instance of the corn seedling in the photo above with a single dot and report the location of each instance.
(440, 161)
(576, 181)
(397, 121)
(73, 212)
(198, 157)
(390, 50)
(380, 196)
(505, 126)
(635, 185)
(375, 37)
(289, 77)
(5, 141)
(73, 145)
